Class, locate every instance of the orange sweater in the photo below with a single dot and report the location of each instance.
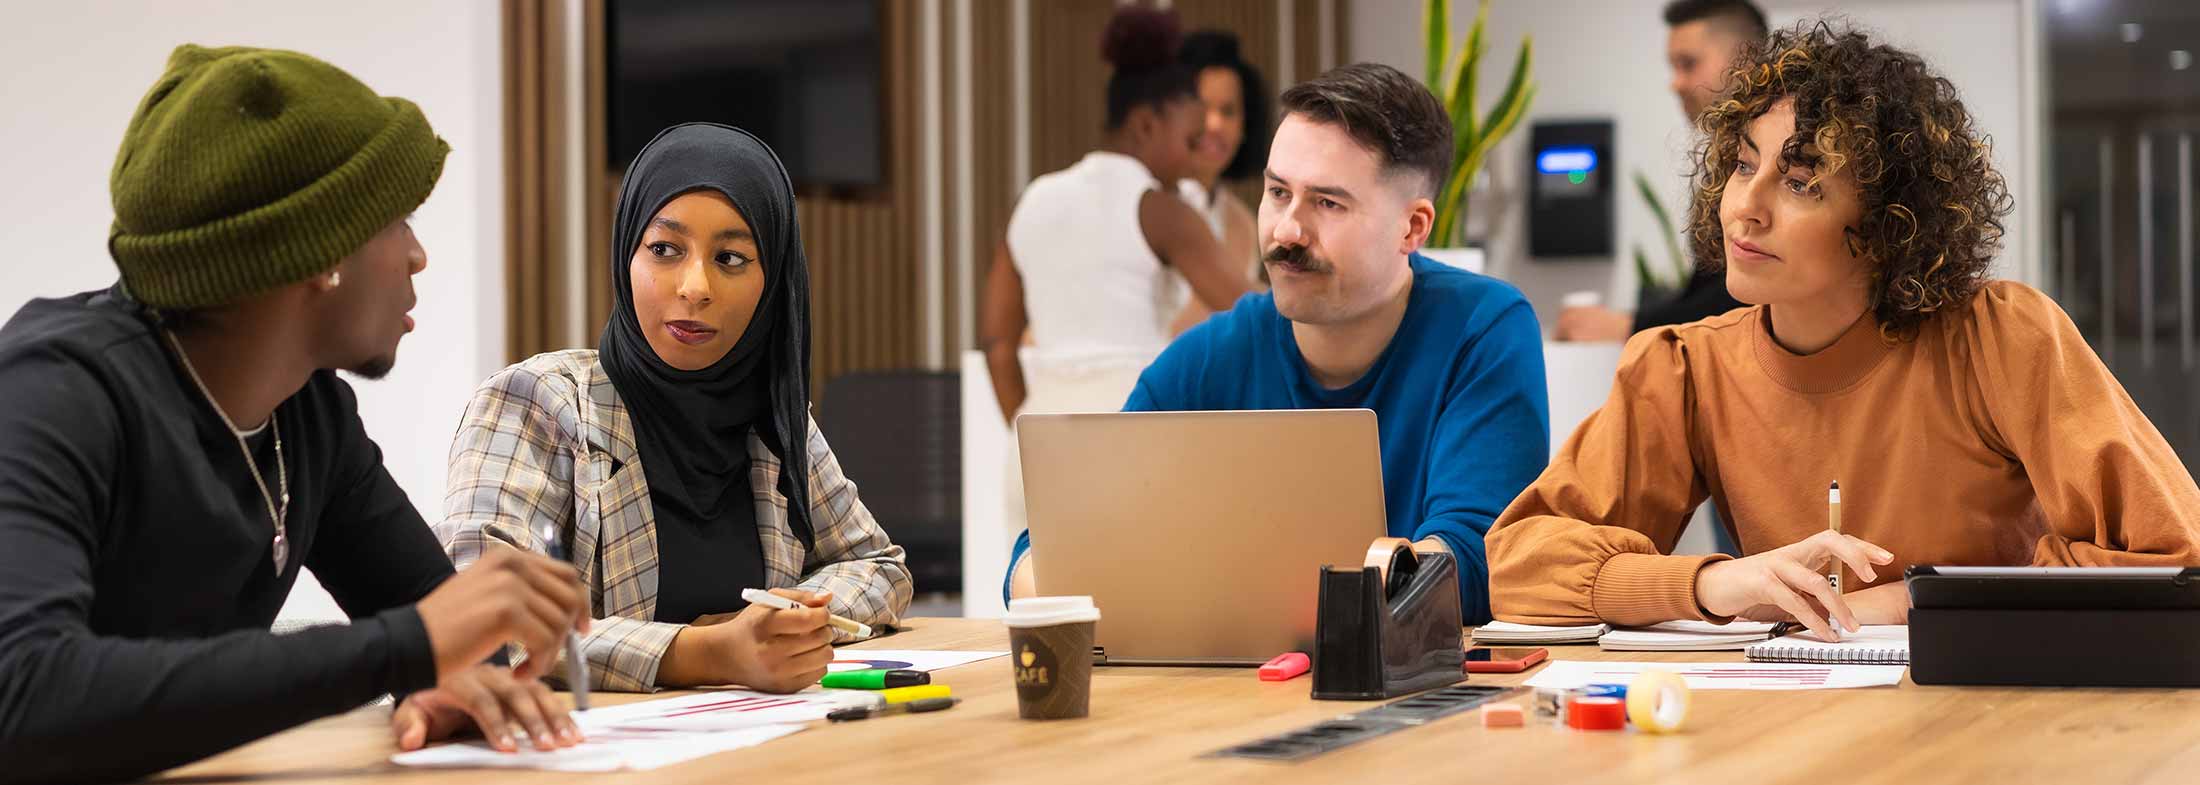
(1996, 437)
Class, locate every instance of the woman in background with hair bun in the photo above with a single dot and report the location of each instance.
(1093, 253)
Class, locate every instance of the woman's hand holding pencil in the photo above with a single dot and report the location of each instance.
(1790, 582)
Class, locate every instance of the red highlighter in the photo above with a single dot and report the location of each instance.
(1285, 667)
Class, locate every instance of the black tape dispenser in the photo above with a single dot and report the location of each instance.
(1390, 626)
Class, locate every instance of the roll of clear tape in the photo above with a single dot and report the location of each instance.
(1657, 701)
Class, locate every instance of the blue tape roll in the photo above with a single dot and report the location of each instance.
(1605, 691)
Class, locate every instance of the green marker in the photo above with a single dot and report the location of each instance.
(875, 679)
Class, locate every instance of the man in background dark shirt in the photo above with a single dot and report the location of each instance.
(1702, 39)
(175, 448)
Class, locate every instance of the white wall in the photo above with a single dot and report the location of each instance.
(1606, 58)
(73, 72)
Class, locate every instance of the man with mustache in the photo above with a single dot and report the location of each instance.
(1450, 361)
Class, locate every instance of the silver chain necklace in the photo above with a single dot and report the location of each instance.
(282, 471)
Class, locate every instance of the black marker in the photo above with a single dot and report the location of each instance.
(913, 707)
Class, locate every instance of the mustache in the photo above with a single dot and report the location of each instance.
(1295, 256)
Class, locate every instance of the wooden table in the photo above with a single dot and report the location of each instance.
(1153, 724)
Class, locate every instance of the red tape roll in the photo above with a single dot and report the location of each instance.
(1587, 713)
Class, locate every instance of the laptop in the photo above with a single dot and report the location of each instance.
(1200, 535)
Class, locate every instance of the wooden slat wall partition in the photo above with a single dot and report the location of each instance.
(952, 126)
(865, 299)
(602, 190)
(1307, 38)
(536, 184)
(993, 129)
(1069, 81)
(863, 287)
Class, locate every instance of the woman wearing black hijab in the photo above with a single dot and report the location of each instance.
(658, 462)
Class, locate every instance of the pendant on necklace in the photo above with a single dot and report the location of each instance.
(282, 552)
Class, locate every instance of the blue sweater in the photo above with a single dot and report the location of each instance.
(1459, 398)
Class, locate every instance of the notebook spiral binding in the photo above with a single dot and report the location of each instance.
(1764, 652)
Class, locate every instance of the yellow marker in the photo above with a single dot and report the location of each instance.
(907, 694)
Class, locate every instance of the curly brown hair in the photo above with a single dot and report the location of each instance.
(1932, 204)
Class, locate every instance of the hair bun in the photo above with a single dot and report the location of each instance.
(1209, 48)
(1140, 38)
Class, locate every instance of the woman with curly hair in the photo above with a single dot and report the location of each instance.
(1966, 421)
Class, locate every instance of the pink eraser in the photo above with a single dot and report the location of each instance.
(1503, 715)
(1285, 667)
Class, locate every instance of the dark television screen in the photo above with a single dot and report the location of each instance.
(801, 74)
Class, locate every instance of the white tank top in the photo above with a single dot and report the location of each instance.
(1205, 203)
(1095, 292)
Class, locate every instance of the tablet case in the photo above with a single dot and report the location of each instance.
(2110, 645)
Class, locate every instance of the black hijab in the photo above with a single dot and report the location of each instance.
(691, 427)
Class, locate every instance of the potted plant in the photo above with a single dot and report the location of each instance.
(1453, 77)
(1658, 283)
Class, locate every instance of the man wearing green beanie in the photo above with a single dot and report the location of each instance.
(175, 448)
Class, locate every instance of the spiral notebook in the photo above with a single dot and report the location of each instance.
(1874, 644)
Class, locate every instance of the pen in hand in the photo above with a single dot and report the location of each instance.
(1833, 524)
(837, 622)
(576, 663)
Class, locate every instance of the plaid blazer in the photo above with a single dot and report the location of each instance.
(545, 456)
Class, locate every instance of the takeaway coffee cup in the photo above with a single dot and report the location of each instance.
(1050, 652)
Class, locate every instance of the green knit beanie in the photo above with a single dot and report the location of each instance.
(249, 169)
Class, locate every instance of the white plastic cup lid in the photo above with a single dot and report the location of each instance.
(1582, 299)
(1049, 611)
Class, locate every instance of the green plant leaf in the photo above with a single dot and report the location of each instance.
(1462, 94)
(1436, 26)
(1650, 195)
(1500, 126)
(1514, 101)
(1473, 138)
(1450, 223)
(1643, 275)
(1678, 265)
(1464, 172)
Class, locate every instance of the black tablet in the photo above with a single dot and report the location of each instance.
(2054, 588)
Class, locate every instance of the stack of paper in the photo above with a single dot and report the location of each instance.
(649, 734)
(605, 750)
(1687, 636)
(1505, 633)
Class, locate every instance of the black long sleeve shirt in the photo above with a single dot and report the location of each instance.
(137, 581)
(1703, 297)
